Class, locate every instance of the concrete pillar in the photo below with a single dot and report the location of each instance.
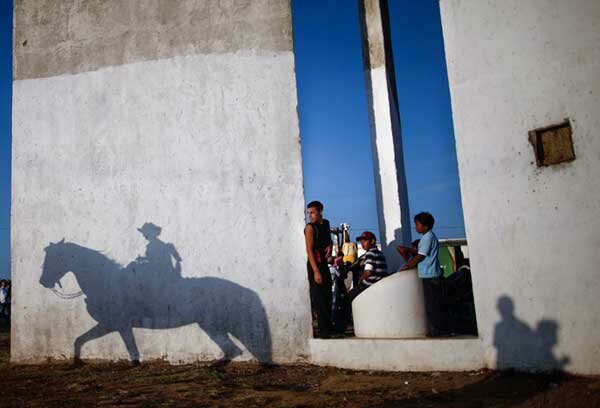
(390, 180)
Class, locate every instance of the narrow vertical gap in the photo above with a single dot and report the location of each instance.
(431, 166)
(424, 103)
(6, 25)
(334, 123)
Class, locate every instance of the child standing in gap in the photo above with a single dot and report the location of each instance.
(425, 258)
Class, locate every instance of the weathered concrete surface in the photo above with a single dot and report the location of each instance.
(533, 232)
(457, 354)
(67, 36)
(373, 36)
(390, 180)
(202, 142)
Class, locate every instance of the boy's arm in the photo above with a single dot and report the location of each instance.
(309, 237)
(421, 252)
(364, 276)
(414, 261)
(406, 252)
(368, 267)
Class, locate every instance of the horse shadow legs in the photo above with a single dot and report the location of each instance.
(127, 336)
(93, 333)
(228, 347)
(99, 331)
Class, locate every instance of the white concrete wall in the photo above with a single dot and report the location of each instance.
(534, 233)
(204, 144)
(419, 354)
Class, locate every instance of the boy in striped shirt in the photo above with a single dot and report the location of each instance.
(372, 263)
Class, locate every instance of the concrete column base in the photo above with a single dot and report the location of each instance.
(455, 354)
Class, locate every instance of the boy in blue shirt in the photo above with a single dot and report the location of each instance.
(425, 258)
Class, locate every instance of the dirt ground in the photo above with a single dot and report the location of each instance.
(248, 385)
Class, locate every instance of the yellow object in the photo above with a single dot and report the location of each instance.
(350, 252)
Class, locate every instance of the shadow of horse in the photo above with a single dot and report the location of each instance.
(120, 298)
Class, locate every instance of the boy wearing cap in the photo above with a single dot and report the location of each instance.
(372, 263)
(425, 258)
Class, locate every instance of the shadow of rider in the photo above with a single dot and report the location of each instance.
(159, 255)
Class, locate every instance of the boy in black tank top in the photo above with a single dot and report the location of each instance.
(318, 248)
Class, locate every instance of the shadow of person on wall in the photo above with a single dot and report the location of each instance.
(150, 293)
(520, 347)
(159, 255)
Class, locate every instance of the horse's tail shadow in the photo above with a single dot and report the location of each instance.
(230, 309)
(256, 336)
(253, 329)
(264, 352)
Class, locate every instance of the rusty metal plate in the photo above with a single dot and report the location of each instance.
(553, 144)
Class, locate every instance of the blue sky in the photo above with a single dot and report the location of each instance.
(336, 148)
(5, 129)
(426, 114)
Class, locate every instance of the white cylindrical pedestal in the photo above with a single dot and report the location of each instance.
(392, 308)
